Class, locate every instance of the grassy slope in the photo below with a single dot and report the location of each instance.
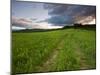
(67, 49)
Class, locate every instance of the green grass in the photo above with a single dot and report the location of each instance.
(74, 48)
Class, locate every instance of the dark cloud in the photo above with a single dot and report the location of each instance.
(68, 14)
(56, 9)
(60, 20)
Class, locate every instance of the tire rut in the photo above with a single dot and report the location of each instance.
(45, 66)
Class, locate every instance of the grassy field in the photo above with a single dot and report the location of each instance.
(58, 50)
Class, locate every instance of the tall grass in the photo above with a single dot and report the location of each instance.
(76, 50)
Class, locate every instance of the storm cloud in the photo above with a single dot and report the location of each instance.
(69, 14)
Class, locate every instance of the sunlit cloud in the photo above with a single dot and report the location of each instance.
(92, 22)
(22, 23)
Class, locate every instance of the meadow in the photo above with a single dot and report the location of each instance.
(57, 50)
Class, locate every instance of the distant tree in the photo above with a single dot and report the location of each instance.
(77, 24)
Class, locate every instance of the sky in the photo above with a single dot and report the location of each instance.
(32, 15)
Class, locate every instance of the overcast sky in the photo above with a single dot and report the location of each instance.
(47, 16)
